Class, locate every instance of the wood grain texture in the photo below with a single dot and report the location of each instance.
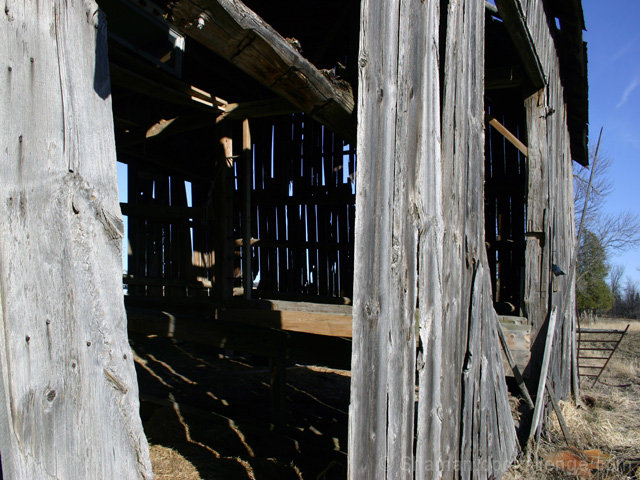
(478, 435)
(319, 323)
(550, 225)
(537, 412)
(68, 390)
(420, 196)
(381, 412)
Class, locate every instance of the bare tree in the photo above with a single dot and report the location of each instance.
(600, 188)
(617, 232)
(631, 302)
(615, 280)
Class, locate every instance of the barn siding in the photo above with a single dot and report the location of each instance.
(550, 225)
(464, 426)
(68, 391)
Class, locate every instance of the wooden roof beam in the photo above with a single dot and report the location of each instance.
(234, 32)
(511, 13)
(179, 93)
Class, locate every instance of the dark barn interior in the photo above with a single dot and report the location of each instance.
(240, 209)
(215, 162)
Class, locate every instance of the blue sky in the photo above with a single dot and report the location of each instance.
(613, 43)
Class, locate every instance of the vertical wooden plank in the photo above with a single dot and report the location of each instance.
(371, 311)
(247, 180)
(550, 206)
(537, 412)
(135, 265)
(470, 415)
(181, 249)
(155, 239)
(68, 390)
(223, 197)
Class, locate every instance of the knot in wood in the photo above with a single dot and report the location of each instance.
(51, 395)
(363, 60)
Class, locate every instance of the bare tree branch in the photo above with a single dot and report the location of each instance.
(617, 232)
(615, 280)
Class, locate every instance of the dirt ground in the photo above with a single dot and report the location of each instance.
(208, 415)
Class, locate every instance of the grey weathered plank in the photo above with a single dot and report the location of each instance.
(68, 390)
(430, 245)
(464, 427)
(550, 206)
(377, 105)
(537, 412)
(447, 210)
(516, 371)
(470, 341)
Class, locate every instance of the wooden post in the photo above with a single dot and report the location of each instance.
(223, 195)
(556, 408)
(247, 152)
(68, 390)
(548, 348)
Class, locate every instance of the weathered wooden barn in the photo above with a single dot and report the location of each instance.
(366, 185)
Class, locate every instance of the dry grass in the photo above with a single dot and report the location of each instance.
(608, 420)
(168, 464)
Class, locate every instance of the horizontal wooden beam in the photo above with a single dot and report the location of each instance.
(301, 347)
(166, 282)
(164, 128)
(163, 212)
(307, 320)
(160, 164)
(234, 32)
(187, 95)
(270, 107)
(513, 17)
(503, 78)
